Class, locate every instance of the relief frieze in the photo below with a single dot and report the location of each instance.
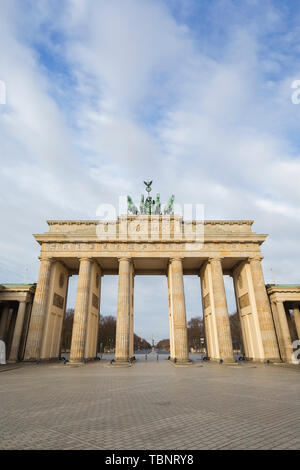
(225, 248)
(74, 247)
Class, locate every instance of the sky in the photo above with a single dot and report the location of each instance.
(193, 94)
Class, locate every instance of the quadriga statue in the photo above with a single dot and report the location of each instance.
(150, 206)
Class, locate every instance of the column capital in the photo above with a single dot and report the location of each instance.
(85, 258)
(125, 258)
(176, 258)
(215, 258)
(255, 258)
(46, 258)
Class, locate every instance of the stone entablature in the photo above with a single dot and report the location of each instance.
(133, 237)
(227, 249)
(284, 292)
(160, 225)
(17, 292)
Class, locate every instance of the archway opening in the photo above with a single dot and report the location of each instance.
(8, 316)
(108, 317)
(67, 325)
(194, 317)
(288, 306)
(234, 318)
(151, 317)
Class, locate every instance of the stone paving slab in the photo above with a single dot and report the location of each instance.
(150, 406)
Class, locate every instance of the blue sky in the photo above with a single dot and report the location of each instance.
(193, 94)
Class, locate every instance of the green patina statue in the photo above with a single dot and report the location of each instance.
(150, 206)
(157, 204)
(170, 207)
(142, 205)
(131, 207)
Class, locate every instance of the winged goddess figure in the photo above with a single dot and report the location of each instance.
(148, 186)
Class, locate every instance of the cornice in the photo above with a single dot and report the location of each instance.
(283, 289)
(208, 238)
(96, 222)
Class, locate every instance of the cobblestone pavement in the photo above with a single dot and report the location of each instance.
(153, 405)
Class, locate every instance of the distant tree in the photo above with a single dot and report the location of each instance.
(195, 331)
(107, 332)
(106, 336)
(67, 330)
(163, 344)
(140, 343)
(235, 328)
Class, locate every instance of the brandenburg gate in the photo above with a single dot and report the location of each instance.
(147, 242)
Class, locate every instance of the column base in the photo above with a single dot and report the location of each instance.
(185, 361)
(121, 363)
(121, 360)
(223, 360)
(228, 360)
(266, 360)
(77, 360)
(42, 360)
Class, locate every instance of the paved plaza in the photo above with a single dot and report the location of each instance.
(151, 405)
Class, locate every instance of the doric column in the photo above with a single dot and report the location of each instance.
(3, 321)
(264, 314)
(25, 329)
(64, 315)
(176, 286)
(38, 311)
(123, 311)
(81, 311)
(283, 331)
(93, 312)
(171, 326)
(221, 311)
(297, 320)
(209, 318)
(131, 333)
(245, 347)
(14, 350)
